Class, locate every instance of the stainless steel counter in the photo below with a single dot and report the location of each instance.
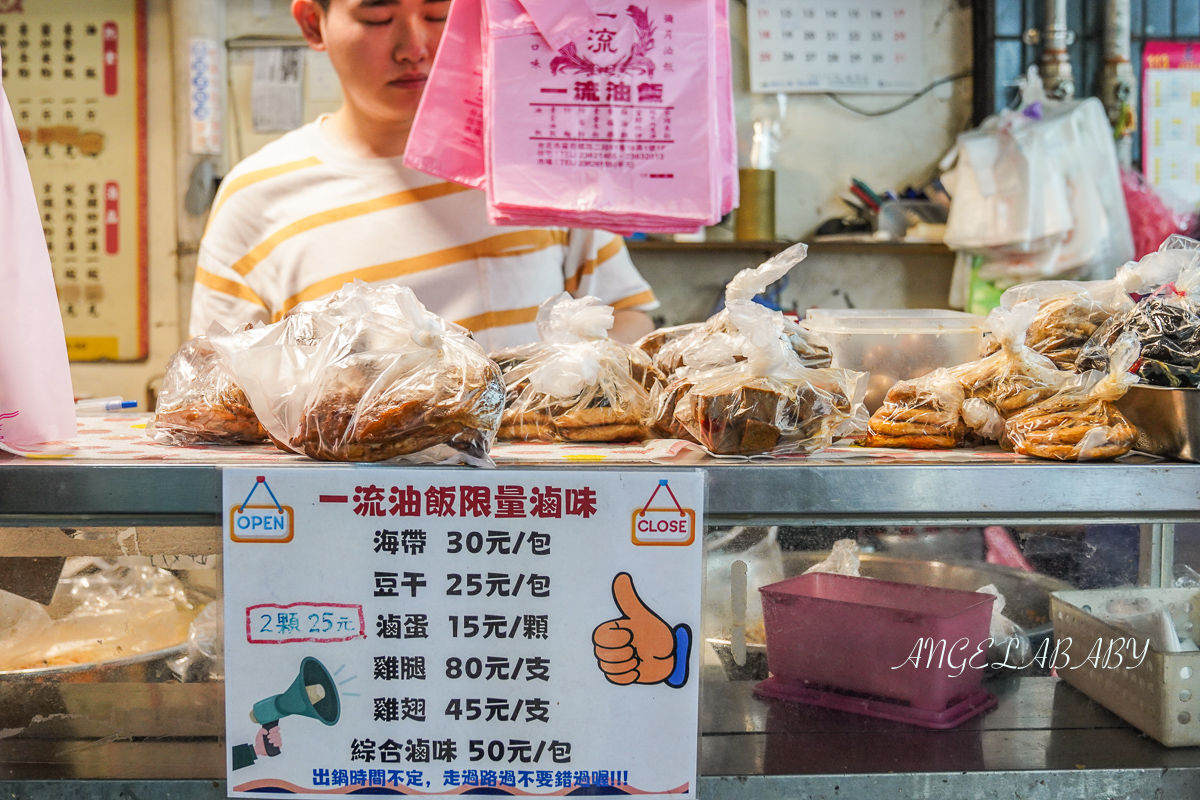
(1045, 740)
(40, 492)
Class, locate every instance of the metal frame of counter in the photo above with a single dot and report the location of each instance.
(1045, 741)
(174, 493)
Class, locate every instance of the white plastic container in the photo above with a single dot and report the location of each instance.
(897, 345)
(1159, 694)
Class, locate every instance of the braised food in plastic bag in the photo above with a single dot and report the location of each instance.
(577, 385)
(655, 340)
(1070, 312)
(1014, 377)
(200, 401)
(812, 351)
(1080, 422)
(922, 414)
(384, 378)
(1167, 326)
(767, 400)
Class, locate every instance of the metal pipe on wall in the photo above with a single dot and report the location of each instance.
(1056, 62)
(1118, 89)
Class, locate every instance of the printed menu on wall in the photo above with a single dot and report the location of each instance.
(1171, 117)
(432, 631)
(75, 76)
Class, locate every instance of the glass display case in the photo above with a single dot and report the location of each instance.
(153, 724)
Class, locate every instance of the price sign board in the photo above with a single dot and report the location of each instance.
(75, 74)
(433, 631)
(1171, 117)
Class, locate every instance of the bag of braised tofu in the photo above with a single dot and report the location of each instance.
(370, 375)
(668, 346)
(767, 400)
(717, 350)
(1081, 422)
(200, 400)
(576, 385)
(923, 413)
(1015, 376)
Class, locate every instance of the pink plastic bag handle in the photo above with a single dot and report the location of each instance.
(561, 23)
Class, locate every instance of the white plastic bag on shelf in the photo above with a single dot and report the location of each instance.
(1037, 193)
(842, 560)
(36, 400)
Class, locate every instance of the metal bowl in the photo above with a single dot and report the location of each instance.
(149, 667)
(1027, 596)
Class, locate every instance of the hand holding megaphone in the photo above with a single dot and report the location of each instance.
(269, 740)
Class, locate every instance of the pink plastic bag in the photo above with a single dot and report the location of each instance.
(618, 130)
(36, 403)
(446, 139)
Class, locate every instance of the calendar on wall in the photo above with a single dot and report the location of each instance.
(74, 74)
(1171, 117)
(868, 46)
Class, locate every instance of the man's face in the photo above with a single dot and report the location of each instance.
(382, 51)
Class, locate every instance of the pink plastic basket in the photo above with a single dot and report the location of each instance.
(850, 643)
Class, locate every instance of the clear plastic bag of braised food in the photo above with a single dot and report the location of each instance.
(923, 413)
(118, 611)
(669, 345)
(1015, 376)
(1081, 422)
(768, 401)
(1068, 314)
(577, 385)
(371, 375)
(200, 400)
(1167, 326)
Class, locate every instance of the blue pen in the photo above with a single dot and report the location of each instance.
(104, 405)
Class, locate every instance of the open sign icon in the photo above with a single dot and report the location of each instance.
(664, 526)
(261, 523)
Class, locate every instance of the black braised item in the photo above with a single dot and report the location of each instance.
(1168, 329)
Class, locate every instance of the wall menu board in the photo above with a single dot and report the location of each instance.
(450, 632)
(75, 76)
(867, 46)
(1171, 117)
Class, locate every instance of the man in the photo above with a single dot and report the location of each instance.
(331, 202)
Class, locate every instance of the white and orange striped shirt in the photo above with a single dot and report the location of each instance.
(299, 218)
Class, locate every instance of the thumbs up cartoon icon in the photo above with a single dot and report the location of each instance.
(638, 646)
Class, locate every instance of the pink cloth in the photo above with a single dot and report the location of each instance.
(36, 402)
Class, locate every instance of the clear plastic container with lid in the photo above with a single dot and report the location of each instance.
(897, 345)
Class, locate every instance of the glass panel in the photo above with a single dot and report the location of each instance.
(1008, 69)
(833, 635)
(1158, 18)
(1187, 18)
(1008, 18)
(1075, 16)
(1136, 16)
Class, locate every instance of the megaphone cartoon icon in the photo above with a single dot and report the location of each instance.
(312, 694)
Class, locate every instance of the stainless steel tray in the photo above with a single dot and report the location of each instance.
(1168, 420)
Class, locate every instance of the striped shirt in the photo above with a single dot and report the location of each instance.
(299, 218)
